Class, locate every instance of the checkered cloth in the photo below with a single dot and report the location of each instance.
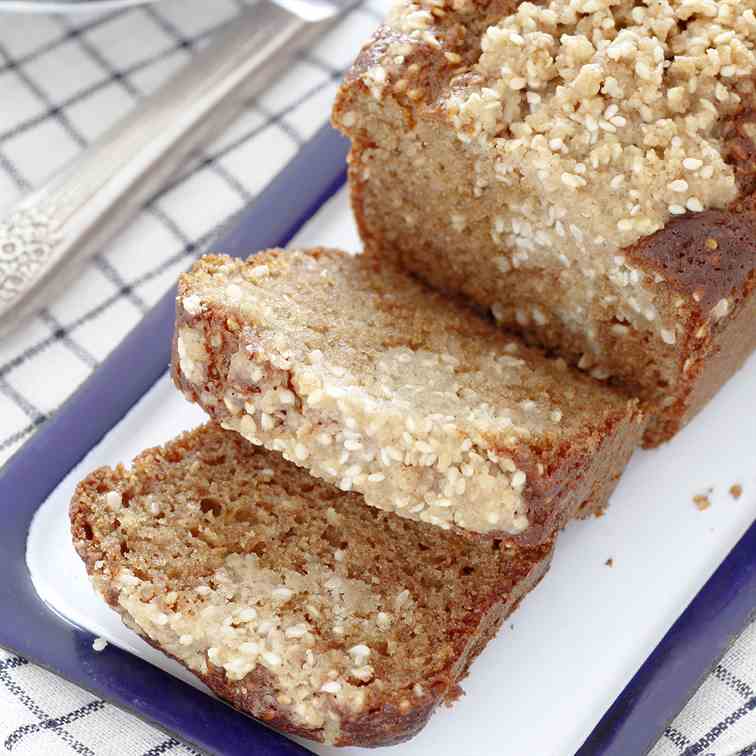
(62, 82)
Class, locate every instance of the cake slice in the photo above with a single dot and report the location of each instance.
(291, 599)
(584, 171)
(371, 381)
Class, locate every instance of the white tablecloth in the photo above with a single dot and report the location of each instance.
(62, 82)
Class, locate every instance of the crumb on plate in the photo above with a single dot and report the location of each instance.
(702, 501)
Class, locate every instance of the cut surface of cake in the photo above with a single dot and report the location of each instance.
(291, 599)
(585, 171)
(368, 379)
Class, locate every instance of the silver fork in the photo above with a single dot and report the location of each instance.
(52, 231)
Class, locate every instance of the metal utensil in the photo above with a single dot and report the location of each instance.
(66, 6)
(52, 231)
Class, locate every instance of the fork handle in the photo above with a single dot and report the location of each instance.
(52, 231)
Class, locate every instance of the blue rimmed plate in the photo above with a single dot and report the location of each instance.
(544, 686)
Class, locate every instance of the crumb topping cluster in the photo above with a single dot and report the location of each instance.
(411, 435)
(244, 617)
(614, 104)
(602, 121)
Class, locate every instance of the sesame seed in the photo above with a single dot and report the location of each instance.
(721, 309)
(113, 499)
(692, 164)
(359, 652)
(573, 180)
(296, 631)
(504, 266)
(265, 628)
(668, 337)
(694, 204)
(271, 659)
(518, 479)
(679, 185)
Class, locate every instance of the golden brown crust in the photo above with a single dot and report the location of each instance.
(584, 479)
(714, 353)
(703, 256)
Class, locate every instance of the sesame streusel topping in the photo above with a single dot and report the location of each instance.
(425, 409)
(615, 105)
(291, 600)
(601, 118)
(444, 464)
(435, 464)
(244, 616)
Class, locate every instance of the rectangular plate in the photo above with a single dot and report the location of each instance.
(542, 685)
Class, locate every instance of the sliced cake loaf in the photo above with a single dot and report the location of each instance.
(583, 170)
(371, 381)
(287, 597)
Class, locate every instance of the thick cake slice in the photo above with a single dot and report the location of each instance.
(290, 599)
(582, 169)
(369, 380)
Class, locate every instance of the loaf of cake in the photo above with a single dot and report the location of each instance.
(582, 170)
(371, 381)
(289, 598)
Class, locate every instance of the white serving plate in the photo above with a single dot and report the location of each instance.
(542, 685)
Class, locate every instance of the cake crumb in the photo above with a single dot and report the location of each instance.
(99, 644)
(736, 490)
(702, 501)
(609, 562)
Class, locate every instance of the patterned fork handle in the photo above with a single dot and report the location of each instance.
(47, 237)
